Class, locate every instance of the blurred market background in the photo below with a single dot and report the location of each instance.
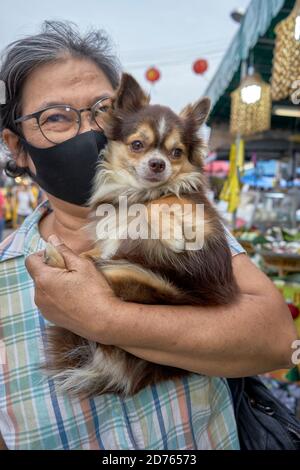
(244, 55)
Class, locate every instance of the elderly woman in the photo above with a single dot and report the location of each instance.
(58, 87)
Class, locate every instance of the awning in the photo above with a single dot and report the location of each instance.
(255, 23)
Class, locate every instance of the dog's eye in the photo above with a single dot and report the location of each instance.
(176, 153)
(137, 145)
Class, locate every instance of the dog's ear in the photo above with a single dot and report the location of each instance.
(130, 96)
(194, 116)
(198, 112)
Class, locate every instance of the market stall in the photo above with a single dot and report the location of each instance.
(253, 95)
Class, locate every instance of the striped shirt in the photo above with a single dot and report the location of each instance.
(191, 413)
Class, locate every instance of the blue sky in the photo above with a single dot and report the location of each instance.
(166, 33)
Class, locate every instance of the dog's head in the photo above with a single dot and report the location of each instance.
(150, 142)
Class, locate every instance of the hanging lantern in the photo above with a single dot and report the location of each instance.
(152, 74)
(294, 310)
(200, 66)
(231, 189)
(286, 62)
(251, 106)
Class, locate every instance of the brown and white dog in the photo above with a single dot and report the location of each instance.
(154, 158)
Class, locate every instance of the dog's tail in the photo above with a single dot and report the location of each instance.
(133, 283)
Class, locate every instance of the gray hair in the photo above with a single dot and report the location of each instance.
(56, 39)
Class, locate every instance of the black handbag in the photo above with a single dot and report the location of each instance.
(263, 422)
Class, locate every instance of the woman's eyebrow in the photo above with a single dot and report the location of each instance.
(46, 104)
(100, 97)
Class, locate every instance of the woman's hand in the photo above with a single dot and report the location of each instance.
(77, 298)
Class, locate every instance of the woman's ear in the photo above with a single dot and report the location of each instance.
(12, 142)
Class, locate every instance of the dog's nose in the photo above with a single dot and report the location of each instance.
(157, 165)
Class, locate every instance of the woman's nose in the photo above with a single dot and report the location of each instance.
(87, 123)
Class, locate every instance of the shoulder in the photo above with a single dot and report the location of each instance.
(19, 242)
(12, 246)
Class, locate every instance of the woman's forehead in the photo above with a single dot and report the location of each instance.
(76, 82)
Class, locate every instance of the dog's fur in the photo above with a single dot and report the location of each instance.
(150, 271)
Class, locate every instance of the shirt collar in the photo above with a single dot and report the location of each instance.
(26, 239)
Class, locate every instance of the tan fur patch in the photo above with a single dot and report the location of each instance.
(137, 276)
(144, 133)
(120, 155)
(185, 166)
(173, 140)
(170, 215)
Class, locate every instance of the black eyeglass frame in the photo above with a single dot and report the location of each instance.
(38, 114)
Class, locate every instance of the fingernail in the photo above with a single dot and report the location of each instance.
(54, 240)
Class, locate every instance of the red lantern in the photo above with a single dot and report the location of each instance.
(152, 74)
(294, 311)
(200, 66)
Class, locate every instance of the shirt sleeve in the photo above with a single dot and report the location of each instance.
(235, 247)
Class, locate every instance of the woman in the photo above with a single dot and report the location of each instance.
(54, 78)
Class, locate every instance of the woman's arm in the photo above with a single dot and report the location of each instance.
(2, 444)
(251, 336)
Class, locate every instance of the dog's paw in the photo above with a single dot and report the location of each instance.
(53, 258)
(94, 254)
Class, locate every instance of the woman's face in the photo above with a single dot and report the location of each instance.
(71, 81)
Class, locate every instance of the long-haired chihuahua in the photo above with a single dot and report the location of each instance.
(158, 239)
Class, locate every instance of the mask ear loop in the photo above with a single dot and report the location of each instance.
(12, 170)
(25, 169)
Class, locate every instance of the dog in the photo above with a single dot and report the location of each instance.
(153, 158)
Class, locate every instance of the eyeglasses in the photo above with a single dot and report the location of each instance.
(62, 122)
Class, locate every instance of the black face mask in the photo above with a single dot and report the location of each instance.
(67, 170)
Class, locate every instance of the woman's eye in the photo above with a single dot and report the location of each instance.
(103, 109)
(176, 153)
(57, 118)
(136, 145)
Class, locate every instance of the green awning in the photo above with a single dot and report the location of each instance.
(255, 24)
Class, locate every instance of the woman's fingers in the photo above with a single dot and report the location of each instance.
(71, 260)
(34, 263)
